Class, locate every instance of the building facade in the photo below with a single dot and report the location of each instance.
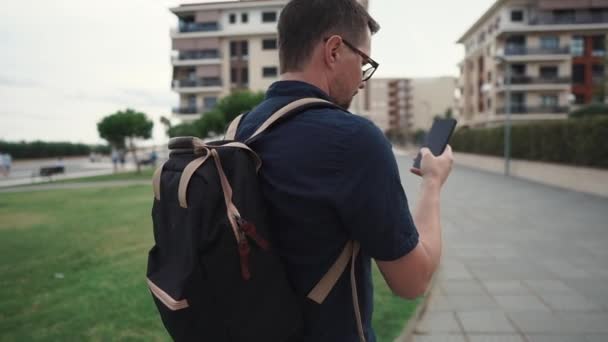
(545, 55)
(220, 47)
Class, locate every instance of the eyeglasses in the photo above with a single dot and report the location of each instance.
(369, 67)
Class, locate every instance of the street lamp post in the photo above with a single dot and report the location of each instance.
(507, 142)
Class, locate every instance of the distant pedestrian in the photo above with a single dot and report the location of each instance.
(122, 157)
(115, 159)
(5, 162)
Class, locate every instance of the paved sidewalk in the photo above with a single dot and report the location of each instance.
(522, 262)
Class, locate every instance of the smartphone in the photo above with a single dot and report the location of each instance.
(437, 138)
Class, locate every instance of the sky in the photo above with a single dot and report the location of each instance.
(68, 63)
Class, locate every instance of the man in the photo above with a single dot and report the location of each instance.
(330, 176)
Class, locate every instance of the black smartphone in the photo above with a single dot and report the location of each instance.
(437, 138)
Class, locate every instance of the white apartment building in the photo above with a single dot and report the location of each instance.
(554, 50)
(219, 47)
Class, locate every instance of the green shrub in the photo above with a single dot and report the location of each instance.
(594, 109)
(41, 149)
(577, 142)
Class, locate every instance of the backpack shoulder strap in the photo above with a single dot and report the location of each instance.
(234, 125)
(329, 280)
(291, 108)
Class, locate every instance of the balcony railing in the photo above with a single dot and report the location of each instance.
(190, 110)
(575, 18)
(516, 80)
(520, 109)
(523, 50)
(185, 27)
(198, 54)
(202, 82)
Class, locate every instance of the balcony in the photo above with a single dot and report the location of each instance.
(190, 110)
(527, 83)
(198, 54)
(208, 84)
(539, 80)
(189, 27)
(197, 57)
(527, 51)
(570, 18)
(518, 109)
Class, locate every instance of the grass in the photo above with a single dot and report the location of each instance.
(74, 265)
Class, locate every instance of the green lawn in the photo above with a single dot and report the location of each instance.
(146, 174)
(73, 268)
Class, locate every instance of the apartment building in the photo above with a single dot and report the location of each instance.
(405, 104)
(549, 55)
(220, 47)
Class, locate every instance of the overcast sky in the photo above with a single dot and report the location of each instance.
(68, 63)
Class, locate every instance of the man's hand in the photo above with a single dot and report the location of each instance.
(435, 168)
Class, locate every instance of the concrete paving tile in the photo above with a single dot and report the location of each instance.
(485, 322)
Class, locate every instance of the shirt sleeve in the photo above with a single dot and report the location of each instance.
(370, 199)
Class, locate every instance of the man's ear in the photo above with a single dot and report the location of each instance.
(332, 51)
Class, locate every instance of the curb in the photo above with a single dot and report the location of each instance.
(407, 335)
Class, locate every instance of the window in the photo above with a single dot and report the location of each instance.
(577, 48)
(489, 76)
(245, 48)
(564, 16)
(548, 72)
(579, 99)
(233, 75)
(549, 43)
(269, 44)
(232, 18)
(244, 18)
(269, 72)
(233, 47)
(549, 101)
(518, 70)
(489, 104)
(245, 76)
(209, 102)
(269, 17)
(517, 16)
(597, 72)
(599, 46)
(578, 74)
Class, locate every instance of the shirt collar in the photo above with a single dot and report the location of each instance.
(295, 89)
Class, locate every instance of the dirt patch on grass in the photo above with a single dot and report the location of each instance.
(10, 221)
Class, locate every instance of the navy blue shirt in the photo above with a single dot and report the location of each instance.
(329, 176)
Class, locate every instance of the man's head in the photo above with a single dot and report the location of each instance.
(330, 40)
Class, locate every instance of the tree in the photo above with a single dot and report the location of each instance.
(123, 127)
(167, 123)
(216, 121)
(238, 102)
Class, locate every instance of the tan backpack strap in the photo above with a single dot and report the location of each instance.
(353, 285)
(329, 280)
(281, 112)
(156, 181)
(258, 161)
(182, 191)
(234, 125)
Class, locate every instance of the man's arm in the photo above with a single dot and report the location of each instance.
(409, 276)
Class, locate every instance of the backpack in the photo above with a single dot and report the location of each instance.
(212, 271)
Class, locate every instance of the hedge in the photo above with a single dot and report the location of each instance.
(40, 149)
(581, 142)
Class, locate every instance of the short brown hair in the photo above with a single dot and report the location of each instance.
(303, 23)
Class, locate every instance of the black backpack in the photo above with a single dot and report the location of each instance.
(212, 272)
